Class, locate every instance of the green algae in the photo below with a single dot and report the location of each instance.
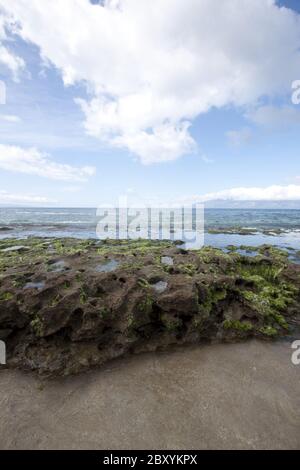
(237, 325)
(55, 301)
(146, 304)
(280, 320)
(254, 279)
(171, 324)
(37, 326)
(83, 297)
(6, 296)
(268, 330)
(104, 313)
(232, 230)
(207, 253)
(270, 299)
(275, 253)
(213, 296)
(198, 322)
(143, 283)
(188, 268)
(248, 248)
(133, 266)
(231, 248)
(133, 247)
(268, 272)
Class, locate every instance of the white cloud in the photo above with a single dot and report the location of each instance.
(275, 117)
(6, 197)
(9, 118)
(163, 143)
(270, 193)
(152, 67)
(15, 63)
(33, 162)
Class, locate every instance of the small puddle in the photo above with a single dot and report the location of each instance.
(248, 253)
(167, 260)
(160, 286)
(294, 259)
(15, 248)
(34, 285)
(241, 251)
(58, 267)
(107, 267)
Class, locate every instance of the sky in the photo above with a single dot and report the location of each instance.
(161, 101)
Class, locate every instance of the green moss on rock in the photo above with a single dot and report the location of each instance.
(188, 268)
(145, 305)
(171, 324)
(269, 330)
(6, 296)
(237, 325)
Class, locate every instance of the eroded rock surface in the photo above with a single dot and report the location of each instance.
(60, 313)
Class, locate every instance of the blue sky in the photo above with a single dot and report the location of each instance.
(237, 139)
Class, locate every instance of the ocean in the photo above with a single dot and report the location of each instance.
(279, 227)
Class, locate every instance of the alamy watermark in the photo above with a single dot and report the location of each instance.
(2, 92)
(296, 354)
(2, 353)
(296, 92)
(184, 223)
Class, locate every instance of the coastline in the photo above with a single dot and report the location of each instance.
(222, 227)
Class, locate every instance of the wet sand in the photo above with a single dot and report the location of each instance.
(225, 396)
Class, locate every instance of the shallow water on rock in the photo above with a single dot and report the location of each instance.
(248, 253)
(34, 285)
(107, 267)
(58, 266)
(294, 259)
(167, 260)
(160, 286)
(15, 248)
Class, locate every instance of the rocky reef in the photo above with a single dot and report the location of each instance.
(246, 231)
(67, 305)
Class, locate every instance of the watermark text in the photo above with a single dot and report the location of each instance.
(2, 92)
(163, 223)
(296, 92)
(296, 354)
(2, 353)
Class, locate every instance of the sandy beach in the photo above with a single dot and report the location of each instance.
(222, 396)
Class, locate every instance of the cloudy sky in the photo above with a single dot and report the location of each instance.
(167, 99)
